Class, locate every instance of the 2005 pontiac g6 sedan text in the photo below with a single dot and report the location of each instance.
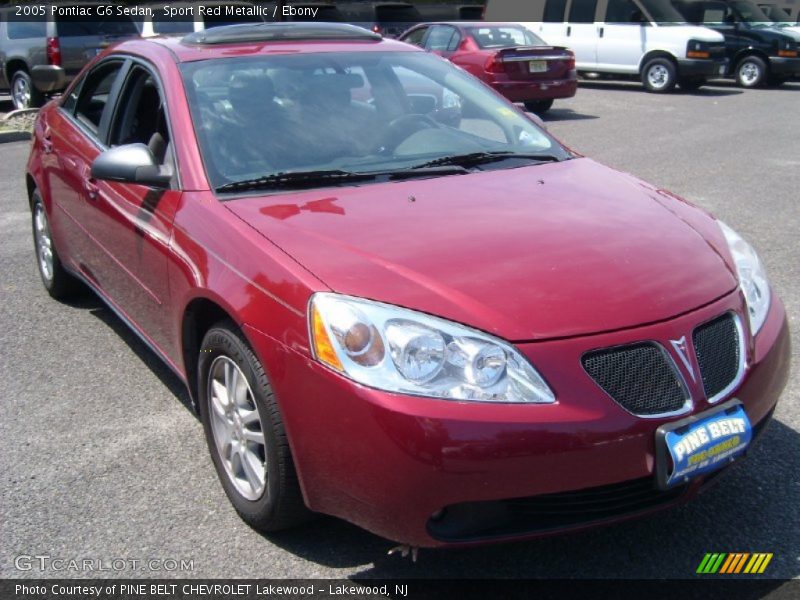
(393, 296)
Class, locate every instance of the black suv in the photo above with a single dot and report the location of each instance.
(759, 52)
(40, 55)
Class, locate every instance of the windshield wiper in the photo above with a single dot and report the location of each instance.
(302, 179)
(295, 179)
(478, 158)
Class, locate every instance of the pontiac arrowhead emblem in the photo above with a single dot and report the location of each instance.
(683, 353)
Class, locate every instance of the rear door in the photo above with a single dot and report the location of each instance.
(81, 40)
(583, 33)
(73, 138)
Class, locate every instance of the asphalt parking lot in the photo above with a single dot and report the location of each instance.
(101, 458)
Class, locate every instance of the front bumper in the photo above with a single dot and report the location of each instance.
(389, 462)
(784, 67)
(49, 78)
(691, 67)
(517, 91)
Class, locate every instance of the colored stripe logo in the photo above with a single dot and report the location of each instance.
(731, 563)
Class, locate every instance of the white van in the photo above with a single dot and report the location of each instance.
(645, 39)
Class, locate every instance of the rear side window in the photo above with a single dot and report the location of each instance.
(554, 11)
(442, 38)
(20, 30)
(582, 11)
(416, 36)
(93, 100)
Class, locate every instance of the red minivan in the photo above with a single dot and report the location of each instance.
(434, 321)
(513, 60)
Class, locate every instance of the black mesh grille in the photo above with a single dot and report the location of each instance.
(716, 345)
(640, 377)
(476, 520)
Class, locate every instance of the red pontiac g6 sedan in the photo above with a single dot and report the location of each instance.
(511, 59)
(443, 326)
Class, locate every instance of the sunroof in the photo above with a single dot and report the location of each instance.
(270, 32)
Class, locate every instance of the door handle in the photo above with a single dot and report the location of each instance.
(47, 141)
(92, 191)
(569, 30)
(601, 31)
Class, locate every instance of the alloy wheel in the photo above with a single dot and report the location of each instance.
(237, 427)
(21, 93)
(44, 243)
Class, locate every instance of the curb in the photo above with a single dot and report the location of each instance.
(14, 136)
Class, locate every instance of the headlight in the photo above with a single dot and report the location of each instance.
(752, 277)
(404, 351)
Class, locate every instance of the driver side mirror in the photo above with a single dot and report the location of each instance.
(536, 119)
(131, 163)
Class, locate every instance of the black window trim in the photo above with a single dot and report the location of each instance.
(100, 138)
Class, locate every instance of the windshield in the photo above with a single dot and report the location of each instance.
(662, 12)
(503, 37)
(357, 112)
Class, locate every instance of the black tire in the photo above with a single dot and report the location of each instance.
(689, 84)
(539, 106)
(280, 505)
(58, 283)
(751, 72)
(23, 93)
(659, 75)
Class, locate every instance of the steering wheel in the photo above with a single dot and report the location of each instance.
(403, 127)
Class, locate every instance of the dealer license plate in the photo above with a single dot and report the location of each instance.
(537, 66)
(701, 443)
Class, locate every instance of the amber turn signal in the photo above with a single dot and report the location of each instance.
(323, 348)
(697, 54)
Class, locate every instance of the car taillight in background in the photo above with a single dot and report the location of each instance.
(571, 60)
(494, 64)
(53, 51)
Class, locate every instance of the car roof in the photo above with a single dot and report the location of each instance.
(194, 47)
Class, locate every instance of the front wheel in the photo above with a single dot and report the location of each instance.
(659, 75)
(23, 93)
(539, 106)
(245, 433)
(751, 72)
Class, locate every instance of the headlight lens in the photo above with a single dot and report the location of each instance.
(404, 351)
(752, 277)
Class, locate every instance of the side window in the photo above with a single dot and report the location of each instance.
(92, 102)
(554, 11)
(621, 11)
(582, 11)
(20, 30)
(442, 38)
(416, 36)
(140, 117)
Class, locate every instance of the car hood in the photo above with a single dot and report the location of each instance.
(694, 32)
(529, 253)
